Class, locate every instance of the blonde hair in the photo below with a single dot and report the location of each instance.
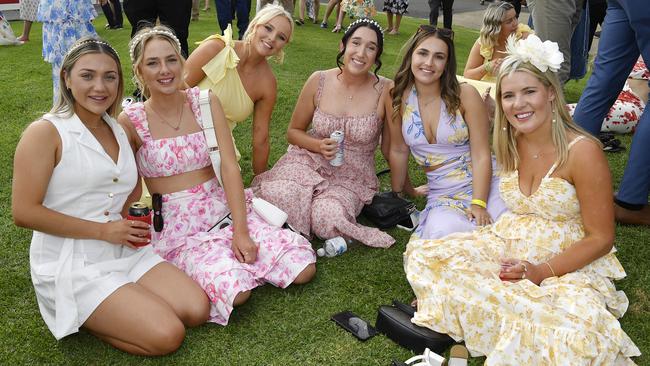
(491, 27)
(64, 106)
(505, 136)
(138, 44)
(263, 16)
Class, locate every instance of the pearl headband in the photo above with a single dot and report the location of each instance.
(136, 40)
(88, 41)
(367, 21)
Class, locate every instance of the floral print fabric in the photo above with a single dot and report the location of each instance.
(205, 256)
(624, 114)
(168, 156)
(359, 8)
(64, 22)
(450, 186)
(320, 198)
(396, 6)
(567, 320)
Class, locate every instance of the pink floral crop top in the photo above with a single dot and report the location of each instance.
(168, 156)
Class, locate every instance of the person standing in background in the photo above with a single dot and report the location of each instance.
(28, 9)
(555, 20)
(173, 13)
(625, 36)
(113, 11)
(228, 9)
(397, 7)
(447, 15)
(64, 22)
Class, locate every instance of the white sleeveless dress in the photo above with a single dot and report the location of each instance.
(72, 277)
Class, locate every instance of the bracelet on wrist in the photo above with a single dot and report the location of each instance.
(488, 67)
(551, 268)
(479, 202)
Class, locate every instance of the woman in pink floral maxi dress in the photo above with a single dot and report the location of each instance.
(319, 198)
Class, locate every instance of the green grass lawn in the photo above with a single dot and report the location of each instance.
(276, 327)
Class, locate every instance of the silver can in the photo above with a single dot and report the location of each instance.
(338, 158)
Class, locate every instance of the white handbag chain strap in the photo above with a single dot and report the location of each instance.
(210, 134)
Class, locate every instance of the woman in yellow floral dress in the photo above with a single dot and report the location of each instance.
(536, 287)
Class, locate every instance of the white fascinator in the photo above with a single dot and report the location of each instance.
(543, 55)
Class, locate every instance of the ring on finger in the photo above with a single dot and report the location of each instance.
(524, 266)
(523, 275)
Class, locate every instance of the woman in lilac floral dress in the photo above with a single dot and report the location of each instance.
(444, 125)
(172, 155)
(64, 22)
(320, 198)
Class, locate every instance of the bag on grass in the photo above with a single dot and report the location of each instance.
(387, 209)
(395, 322)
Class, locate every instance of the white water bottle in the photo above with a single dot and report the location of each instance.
(333, 247)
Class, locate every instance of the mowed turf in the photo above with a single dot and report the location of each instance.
(276, 327)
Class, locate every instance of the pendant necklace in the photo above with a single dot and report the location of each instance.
(180, 119)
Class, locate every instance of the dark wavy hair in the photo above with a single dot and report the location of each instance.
(368, 23)
(449, 87)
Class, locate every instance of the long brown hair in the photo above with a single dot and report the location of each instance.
(449, 87)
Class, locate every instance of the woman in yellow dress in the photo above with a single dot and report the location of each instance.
(238, 73)
(485, 57)
(536, 287)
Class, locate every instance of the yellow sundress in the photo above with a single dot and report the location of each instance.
(222, 78)
(487, 51)
(567, 320)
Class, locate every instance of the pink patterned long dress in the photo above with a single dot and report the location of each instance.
(207, 257)
(323, 199)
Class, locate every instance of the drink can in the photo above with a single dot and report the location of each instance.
(139, 211)
(338, 136)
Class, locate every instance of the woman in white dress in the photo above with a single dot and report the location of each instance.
(74, 173)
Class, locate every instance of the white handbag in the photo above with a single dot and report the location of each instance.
(269, 212)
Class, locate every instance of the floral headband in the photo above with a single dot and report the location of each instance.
(543, 55)
(367, 21)
(88, 41)
(136, 40)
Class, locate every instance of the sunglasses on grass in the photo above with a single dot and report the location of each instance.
(445, 32)
(156, 203)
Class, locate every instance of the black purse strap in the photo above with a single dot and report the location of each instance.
(407, 309)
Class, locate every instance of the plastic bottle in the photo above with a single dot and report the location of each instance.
(333, 247)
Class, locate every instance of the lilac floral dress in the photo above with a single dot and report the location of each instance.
(450, 186)
(207, 257)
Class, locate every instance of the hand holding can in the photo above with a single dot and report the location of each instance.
(338, 136)
(138, 211)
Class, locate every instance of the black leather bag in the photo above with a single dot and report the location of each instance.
(395, 322)
(387, 209)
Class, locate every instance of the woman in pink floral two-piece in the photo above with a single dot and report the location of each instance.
(172, 156)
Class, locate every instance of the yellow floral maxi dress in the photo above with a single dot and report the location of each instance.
(567, 320)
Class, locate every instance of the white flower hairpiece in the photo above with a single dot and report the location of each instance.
(136, 40)
(543, 55)
(367, 21)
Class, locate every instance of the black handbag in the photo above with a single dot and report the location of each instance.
(387, 209)
(395, 322)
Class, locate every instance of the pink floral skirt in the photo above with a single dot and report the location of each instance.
(208, 258)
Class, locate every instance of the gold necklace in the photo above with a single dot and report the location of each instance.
(180, 119)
